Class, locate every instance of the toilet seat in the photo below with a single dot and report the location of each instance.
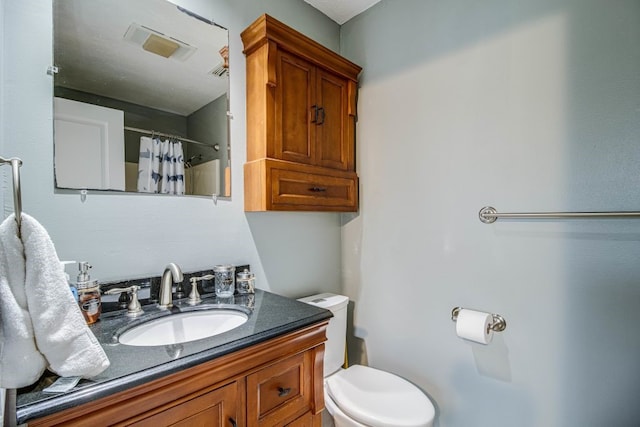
(379, 399)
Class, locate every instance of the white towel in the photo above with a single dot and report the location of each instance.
(42, 325)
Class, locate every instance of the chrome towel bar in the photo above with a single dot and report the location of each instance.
(9, 417)
(489, 215)
(17, 195)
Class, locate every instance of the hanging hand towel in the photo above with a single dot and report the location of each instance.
(41, 323)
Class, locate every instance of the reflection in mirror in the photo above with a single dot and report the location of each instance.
(141, 98)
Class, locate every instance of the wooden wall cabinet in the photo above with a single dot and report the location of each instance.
(301, 106)
(275, 383)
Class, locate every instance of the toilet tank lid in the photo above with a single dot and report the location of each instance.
(329, 301)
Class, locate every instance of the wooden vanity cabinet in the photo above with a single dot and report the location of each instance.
(275, 383)
(301, 106)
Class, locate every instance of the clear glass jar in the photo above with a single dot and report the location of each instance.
(246, 282)
(224, 280)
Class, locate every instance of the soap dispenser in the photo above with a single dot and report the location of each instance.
(72, 286)
(88, 294)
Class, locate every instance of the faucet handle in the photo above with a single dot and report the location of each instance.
(134, 308)
(194, 296)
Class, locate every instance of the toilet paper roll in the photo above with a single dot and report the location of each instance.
(474, 326)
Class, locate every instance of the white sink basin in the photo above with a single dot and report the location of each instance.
(183, 327)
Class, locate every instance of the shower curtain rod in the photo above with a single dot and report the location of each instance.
(153, 132)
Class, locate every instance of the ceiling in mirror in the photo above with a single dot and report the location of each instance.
(164, 70)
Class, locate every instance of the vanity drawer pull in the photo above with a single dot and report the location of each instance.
(283, 391)
(233, 422)
(317, 189)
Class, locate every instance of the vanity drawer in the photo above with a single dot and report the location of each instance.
(282, 391)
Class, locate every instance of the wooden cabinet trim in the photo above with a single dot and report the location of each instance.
(318, 379)
(267, 28)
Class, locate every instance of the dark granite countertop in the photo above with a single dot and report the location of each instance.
(270, 315)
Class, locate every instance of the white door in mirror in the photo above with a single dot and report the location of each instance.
(183, 327)
(89, 146)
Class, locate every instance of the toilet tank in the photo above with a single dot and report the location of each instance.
(336, 331)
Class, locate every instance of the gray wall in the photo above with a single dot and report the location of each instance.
(137, 235)
(527, 106)
(209, 124)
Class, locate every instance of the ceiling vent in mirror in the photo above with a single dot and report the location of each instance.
(156, 42)
(220, 70)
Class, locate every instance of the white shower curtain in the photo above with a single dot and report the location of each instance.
(160, 166)
(172, 168)
(149, 165)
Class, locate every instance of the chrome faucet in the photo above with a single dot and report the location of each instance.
(172, 274)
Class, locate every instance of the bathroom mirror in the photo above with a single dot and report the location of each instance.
(140, 98)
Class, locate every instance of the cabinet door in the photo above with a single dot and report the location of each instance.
(215, 408)
(294, 109)
(334, 146)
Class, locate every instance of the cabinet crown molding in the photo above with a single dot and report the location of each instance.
(268, 29)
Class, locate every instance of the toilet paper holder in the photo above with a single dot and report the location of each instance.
(498, 324)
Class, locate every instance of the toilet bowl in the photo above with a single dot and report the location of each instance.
(361, 396)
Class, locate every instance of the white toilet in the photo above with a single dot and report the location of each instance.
(360, 396)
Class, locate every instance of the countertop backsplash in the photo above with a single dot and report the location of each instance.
(150, 286)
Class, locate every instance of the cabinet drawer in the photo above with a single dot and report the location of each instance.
(304, 189)
(282, 391)
(287, 186)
